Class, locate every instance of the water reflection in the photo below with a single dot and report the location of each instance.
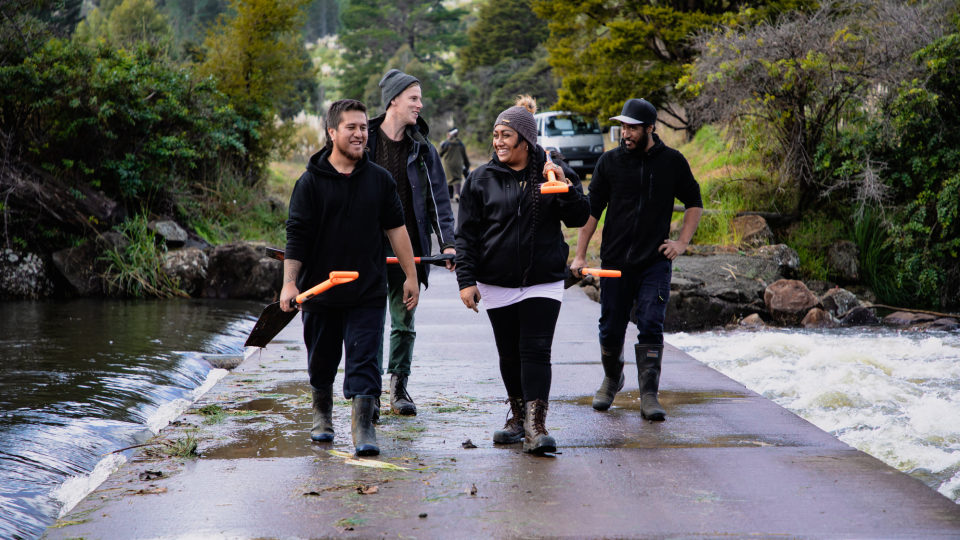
(81, 378)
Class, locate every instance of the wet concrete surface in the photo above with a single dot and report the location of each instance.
(726, 463)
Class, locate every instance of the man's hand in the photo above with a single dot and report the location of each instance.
(470, 296)
(578, 263)
(287, 295)
(672, 249)
(411, 292)
(451, 266)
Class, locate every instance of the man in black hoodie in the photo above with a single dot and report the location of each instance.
(398, 143)
(339, 211)
(639, 181)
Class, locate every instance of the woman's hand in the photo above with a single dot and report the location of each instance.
(557, 171)
(470, 296)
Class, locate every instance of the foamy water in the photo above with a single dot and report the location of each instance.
(895, 396)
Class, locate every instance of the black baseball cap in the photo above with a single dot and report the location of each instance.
(637, 111)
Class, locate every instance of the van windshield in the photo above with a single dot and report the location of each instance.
(570, 124)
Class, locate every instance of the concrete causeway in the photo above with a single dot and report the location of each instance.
(726, 462)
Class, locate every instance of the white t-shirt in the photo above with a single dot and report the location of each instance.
(492, 296)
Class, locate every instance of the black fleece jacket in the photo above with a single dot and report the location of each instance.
(639, 188)
(511, 237)
(336, 222)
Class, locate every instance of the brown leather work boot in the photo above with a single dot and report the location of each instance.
(512, 431)
(536, 439)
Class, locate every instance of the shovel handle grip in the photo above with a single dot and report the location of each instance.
(599, 272)
(336, 278)
(552, 185)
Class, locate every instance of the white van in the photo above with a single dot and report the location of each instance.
(577, 137)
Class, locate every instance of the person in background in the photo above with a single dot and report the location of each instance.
(511, 253)
(339, 211)
(398, 143)
(636, 183)
(456, 164)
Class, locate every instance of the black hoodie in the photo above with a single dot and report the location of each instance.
(510, 236)
(639, 188)
(336, 222)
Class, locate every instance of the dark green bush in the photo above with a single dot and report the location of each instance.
(128, 123)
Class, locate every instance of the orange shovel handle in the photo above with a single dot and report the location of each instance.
(552, 185)
(599, 272)
(336, 278)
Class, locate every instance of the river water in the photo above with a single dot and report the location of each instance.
(893, 395)
(83, 378)
(80, 379)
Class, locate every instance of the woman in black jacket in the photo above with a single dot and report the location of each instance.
(511, 253)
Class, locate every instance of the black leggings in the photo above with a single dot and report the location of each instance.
(524, 335)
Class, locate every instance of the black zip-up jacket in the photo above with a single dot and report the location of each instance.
(510, 238)
(428, 184)
(639, 188)
(336, 222)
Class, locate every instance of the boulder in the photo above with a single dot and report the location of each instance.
(905, 318)
(172, 234)
(752, 230)
(843, 261)
(784, 256)
(188, 268)
(23, 275)
(839, 301)
(944, 324)
(242, 271)
(81, 268)
(860, 316)
(713, 290)
(819, 318)
(753, 322)
(788, 300)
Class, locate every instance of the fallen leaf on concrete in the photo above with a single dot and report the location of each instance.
(349, 459)
(151, 491)
(150, 475)
(367, 490)
(468, 444)
(374, 464)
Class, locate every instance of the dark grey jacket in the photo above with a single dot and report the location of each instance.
(431, 200)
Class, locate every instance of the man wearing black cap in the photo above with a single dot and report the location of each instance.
(636, 183)
(398, 143)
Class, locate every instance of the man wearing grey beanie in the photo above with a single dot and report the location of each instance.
(398, 142)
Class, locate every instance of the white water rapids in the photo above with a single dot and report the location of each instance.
(893, 395)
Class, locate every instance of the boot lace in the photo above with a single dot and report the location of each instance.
(540, 416)
(514, 416)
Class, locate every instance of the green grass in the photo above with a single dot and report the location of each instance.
(137, 269)
(233, 211)
(212, 414)
(810, 237)
(185, 447)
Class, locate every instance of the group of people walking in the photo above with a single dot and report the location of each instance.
(378, 188)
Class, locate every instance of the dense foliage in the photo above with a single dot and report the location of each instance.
(606, 52)
(907, 157)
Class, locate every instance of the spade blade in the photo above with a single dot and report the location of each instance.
(271, 322)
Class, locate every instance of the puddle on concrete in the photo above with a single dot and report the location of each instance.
(631, 400)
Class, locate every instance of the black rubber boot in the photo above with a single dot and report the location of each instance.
(649, 359)
(400, 400)
(612, 378)
(512, 431)
(364, 434)
(536, 439)
(322, 430)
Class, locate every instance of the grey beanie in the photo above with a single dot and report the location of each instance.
(393, 83)
(521, 120)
